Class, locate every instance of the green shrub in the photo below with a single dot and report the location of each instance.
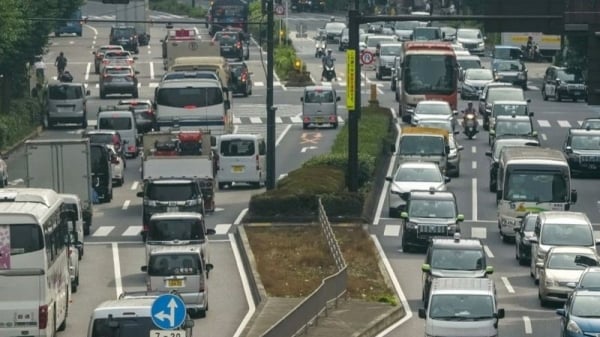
(366, 164)
(290, 204)
(346, 204)
(23, 118)
(175, 7)
(312, 180)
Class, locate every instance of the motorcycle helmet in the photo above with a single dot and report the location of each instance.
(329, 51)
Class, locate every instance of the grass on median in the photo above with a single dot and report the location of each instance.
(293, 260)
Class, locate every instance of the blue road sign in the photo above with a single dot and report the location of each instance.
(168, 312)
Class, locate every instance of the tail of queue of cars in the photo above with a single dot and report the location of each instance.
(122, 119)
(241, 159)
(319, 106)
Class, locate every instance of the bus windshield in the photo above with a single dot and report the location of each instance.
(189, 97)
(537, 185)
(429, 74)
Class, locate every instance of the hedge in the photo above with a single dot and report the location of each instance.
(22, 119)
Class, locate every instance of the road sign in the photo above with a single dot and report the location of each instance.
(279, 10)
(366, 57)
(168, 312)
(350, 78)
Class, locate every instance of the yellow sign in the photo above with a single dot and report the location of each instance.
(350, 79)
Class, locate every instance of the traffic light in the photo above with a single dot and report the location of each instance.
(124, 2)
(298, 64)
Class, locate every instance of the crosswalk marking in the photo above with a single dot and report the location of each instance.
(278, 120)
(255, 120)
(221, 229)
(237, 120)
(544, 123)
(103, 231)
(564, 124)
(391, 230)
(296, 120)
(479, 232)
(132, 231)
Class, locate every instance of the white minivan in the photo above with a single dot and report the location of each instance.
(122, 120)
(241, 159)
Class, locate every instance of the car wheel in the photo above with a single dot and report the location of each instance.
(543, 302)
(405, 247)
(222, 186)
(304, 126)
(492, 185)
(517, 253)
(245, 94)
(393, 86)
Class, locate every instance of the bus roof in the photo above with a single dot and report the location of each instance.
(533, 154)
(44, 196)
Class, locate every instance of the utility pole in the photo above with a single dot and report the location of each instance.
(354, 115)
(270, 184)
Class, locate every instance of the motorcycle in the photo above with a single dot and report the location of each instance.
(329, 72)
(470, 125)
(320, 48)
(532, 54)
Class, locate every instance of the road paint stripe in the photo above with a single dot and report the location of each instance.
(278, 120)
(245, 286)
(117, 269)
(103, 231)
(488, 252)
(296, 120)
(134, 186)
(474, 165)
(543, 123)
(564, 124)
(132, 231)
(391, 230)
(283, 134)
(397, 288)
(151, 70)
(259, 84)
(507, 285)
(473, 149)
(544, 137)
(390, 171)
(126, 205)
(479, 232)
(240, 217)
(87, 71)
(527, 323)
(222, 229)
(153, 84)
(255, 120)
(237, 120)
(474, 200)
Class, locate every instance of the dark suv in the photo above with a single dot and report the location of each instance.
(232, 45)
(453, 257)
(125, 36)
(582, 149)
(429, 214)
(560, 83)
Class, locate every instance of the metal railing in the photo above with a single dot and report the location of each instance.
(332, 288)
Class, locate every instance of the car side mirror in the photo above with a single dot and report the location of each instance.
(531, 114)
(144, 269)
(137, 72)
(571, 285)
(489, 270)
(455, 113)
(422, 313)
(539, 264)
(561, 312)
(534, 133)
(500, 313)
(488, 154)
(87, 92)
(460, 218)
(162, 41)
(140, 194)
(389, 178)
(426, 268)
(338, 98)
(529, 100)
(404, 215)
(568, 149)
(393, 148)
(211, 231)
(533, 240)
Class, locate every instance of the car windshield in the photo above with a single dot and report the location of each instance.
(586, 306)
(428, 208)
(469, 64)
(63, 92)
(101, 138)
(174, 264)
(171, 192)
(479, 75)
(468, 34)
(422, 146)
(504, 94)
(115, 123)
(457, 259)
(318, 96)
(499, 146)
(438, 124)
(237, 70)
(512, 128)
(509, 109)
(126, 326)
(227, 39)
(461, 307)
(537, 185)
(418, 174)
(566, 235)
(507, 53)
(585, 142)
(175, 229)
(508, 66)
(433, 109)
(429, 74)
(591, 124)
(591, 279)
(425, 34)
(390, 50)
(566, 261)
(123, 32)
(117, 56)
(570, 76)
(237, 148)
(374, 41)
(184, 74)
(105, 49)
(189, 97)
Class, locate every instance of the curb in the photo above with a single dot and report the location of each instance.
(17, 145)
(382, 322)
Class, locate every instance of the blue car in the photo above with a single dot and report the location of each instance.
(580, 316)
(73, 26)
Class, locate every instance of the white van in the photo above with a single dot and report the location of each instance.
(122, 120)
(241, 159)
(72, 204)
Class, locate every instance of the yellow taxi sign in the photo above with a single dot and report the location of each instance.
(350, 79)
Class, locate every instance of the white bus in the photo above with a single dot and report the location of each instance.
(531, 179)
(34, 266)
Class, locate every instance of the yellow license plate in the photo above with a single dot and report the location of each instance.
(174, 283)
(319, 119)
(237, 169)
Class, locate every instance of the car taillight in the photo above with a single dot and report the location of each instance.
(131, 148)
(306, 119)
(257, 163)
(238, 45)
(244, 77)
(43, 316)
(104, 61)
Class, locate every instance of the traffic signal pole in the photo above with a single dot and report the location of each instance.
(354, 115)
(270, 181)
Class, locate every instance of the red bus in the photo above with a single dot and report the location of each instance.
(429, 71)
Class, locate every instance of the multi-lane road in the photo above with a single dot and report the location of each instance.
(114, 251)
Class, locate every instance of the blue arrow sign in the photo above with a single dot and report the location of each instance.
(168, 312)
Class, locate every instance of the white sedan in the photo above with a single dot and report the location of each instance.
(118, 166)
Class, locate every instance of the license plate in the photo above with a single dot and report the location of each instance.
(174, 283)
(576, 93)
(167, 333)
(237, 169)
(173, 209)
(64, 109)
(319, 119)
(226, 49)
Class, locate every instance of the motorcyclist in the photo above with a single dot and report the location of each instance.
(60, 63)
(328, 60)
(529, 46)
(40, 68)
(470, 109)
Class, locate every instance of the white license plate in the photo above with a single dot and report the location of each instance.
(64, 109)
(167, 333)
(173, 209)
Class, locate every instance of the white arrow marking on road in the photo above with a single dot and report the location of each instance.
(308, 148)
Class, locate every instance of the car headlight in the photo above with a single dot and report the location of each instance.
(521, 76)
(550, 282)
(480, 44)
(573, 327)
(411, 225)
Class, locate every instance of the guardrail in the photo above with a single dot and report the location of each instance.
(332, 288)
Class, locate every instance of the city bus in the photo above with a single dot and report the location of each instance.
(531, 179)
(428, 71)
(73, 26)
(227, 13)
(34, 263)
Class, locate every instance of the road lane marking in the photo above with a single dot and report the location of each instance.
(278, 120)
(92, 28)
(543, 123)
(474, 200)
(473, 149)
(544, 137)
(390, 171)
(245, 285)
(527, 323)
(87, 71)
(132, 231)
(488, 252)
(564, 124)
(222, 229)
(391, 230)
(255, 120)
(579, 123)
(237, 120)
(103, 231)
(278, 80)
(479, 232)
(240, 217)
(392, 275)
(117, 269)
(151, 70)
(474, 165)
(507, 284)
(296, 120)
(126, 205)
(283, 134)
(134, 186)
